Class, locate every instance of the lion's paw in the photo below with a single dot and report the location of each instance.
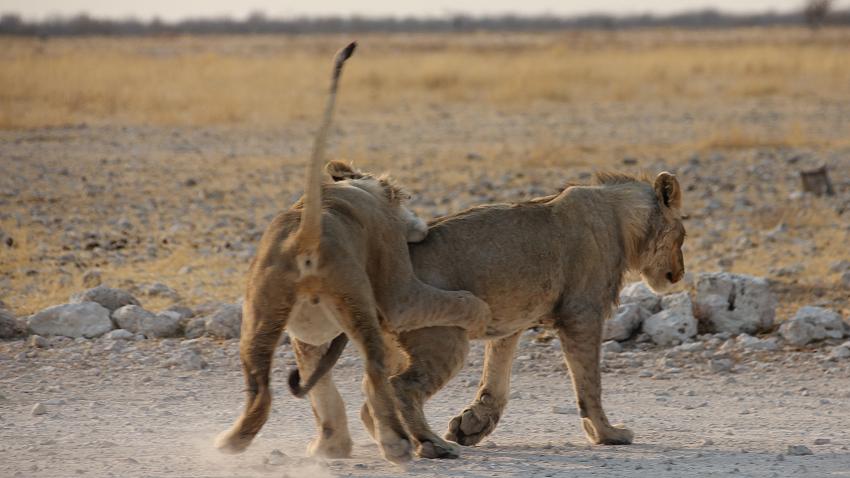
(473, 424)
(329, 448)
(439, 449)
(397, 451)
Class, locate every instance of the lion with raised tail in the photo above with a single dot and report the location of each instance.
(333, 267)
(557, 262)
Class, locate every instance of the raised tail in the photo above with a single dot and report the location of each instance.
(311, 215)
(326, 363)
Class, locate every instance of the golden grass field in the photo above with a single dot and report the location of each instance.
(540, 109)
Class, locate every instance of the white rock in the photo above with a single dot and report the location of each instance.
(38, 341)
(86, 319)
(112, 299)
(120, 334)
(612, 346)
(225, 322)
(754, 343)
(625, 322)
(810, 324)
(39, 409)
(840, 352)
(670, 327)
(140, 321)
(734, 303)
(680, 302)
(639, 293)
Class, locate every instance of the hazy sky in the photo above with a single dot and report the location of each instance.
(176, 9)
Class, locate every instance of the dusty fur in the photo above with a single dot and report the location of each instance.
(558, 262)
(339, 265)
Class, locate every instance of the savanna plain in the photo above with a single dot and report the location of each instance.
(154, 164)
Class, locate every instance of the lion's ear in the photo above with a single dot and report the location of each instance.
(341, 171)
(668, 191)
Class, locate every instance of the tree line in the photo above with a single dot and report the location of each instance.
(815, 14)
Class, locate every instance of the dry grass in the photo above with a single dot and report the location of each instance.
(262, 80)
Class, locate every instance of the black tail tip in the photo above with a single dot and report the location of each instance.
(295, 383)
(346, 52)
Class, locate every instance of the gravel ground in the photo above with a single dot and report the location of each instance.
(135, 410)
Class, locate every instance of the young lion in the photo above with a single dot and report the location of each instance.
(336, 265)
(557, 261)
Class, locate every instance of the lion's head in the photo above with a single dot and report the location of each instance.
(662, 263)
(384, 188)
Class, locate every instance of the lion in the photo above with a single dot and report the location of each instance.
(336, 266)
(558, 262)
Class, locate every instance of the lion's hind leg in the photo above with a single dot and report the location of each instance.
(426, 306)
(333, 440)
(262, 325)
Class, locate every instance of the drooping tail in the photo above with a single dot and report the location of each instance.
(325, 364)
(311, 215)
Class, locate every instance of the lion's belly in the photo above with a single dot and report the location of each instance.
(315, 324)
(515, 312)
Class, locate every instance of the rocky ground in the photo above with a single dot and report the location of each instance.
(115, 407)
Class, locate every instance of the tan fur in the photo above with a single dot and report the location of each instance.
(558, 262)
(337, 263)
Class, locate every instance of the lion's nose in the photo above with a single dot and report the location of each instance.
(670, 277)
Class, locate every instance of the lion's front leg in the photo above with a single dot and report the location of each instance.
(480, 418)
(580, 340)
(333, 440)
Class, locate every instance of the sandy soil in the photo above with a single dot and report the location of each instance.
(128, 413)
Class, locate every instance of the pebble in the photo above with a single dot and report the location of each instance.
(561, 410)
(822, 441)
(38, 342)
(39, 409)
(799, 450)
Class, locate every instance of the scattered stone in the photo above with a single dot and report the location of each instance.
(195, 328)
(39, 409)
(112, 299)
(86, 319)
(225, 322)
(798, 450)
(811, 324)
(277, 458)
(845, 279)
(840, 352)
(722, 365)
(138, 320)
(612, 347)
(560, 410)
(188, 359)
(181, 311)
(159, 289)
(38, 341)
(639, 293)
(840, 266)
(670, 327)
(734, 303)
(749, 342)
(627, 320)
(120, 334)
(92, 278)
(822, 441)
(9, 328)
(707, 442)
